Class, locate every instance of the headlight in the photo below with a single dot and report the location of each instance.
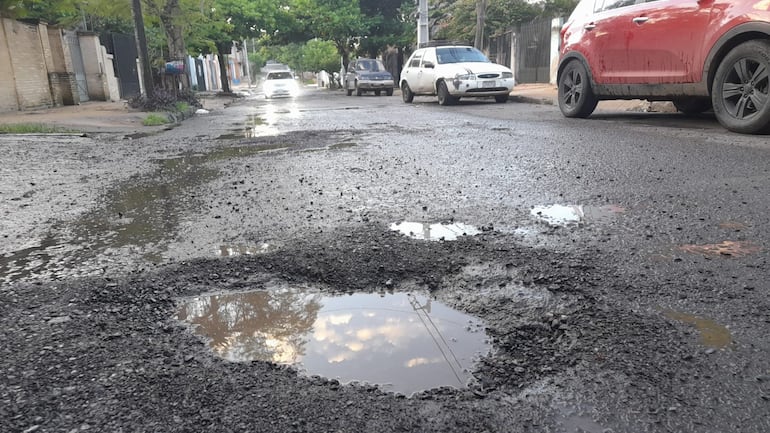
(507, 75)
(465, 77)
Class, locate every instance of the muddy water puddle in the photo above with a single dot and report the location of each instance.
(712, 334)
(140, 216)
(723, 249)
(403, 342)
(434, 232)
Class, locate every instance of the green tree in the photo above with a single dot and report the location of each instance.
(337, 21)
(233, 20)
(320, 55)
(388, 24)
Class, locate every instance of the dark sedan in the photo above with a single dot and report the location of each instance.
(368, 75)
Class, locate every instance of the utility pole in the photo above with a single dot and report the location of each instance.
(248, 67)
(141, 45)
(481, 12)
(422, 23)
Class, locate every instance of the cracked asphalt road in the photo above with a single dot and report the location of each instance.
(620, 266)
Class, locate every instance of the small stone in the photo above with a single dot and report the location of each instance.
(61, 319)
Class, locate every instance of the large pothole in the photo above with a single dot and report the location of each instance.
(403, 342)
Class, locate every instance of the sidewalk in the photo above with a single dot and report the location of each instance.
(547, 94)
(97, 116)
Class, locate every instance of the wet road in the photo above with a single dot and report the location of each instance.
(621, 256)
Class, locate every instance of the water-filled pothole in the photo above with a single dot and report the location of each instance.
(723, 249)
(712, 334)
(434, 232)
(562, 216)
(403, 342)
(227, 250)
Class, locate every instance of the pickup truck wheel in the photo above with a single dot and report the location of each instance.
(576, 98)
(406, 93)
(359, 92)
(389, 92)
(741, 89)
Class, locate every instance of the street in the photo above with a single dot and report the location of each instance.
(607, 274)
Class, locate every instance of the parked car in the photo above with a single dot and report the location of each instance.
(280, 83)
(452, 72)
(364, 75)
(698, 54)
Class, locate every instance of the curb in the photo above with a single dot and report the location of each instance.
(531, 100)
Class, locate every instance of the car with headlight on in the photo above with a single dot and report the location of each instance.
(280, 83)
(451, 72)
(368, 75)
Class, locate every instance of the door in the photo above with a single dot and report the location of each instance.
(77, 65)
(411, 72)
(652, 42)
(426, 78)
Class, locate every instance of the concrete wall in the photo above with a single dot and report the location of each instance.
(90, 48)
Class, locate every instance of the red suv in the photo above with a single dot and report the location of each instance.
(700, 54)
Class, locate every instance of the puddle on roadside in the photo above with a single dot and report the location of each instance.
(250, 129)
(712, 334)
(434, 232)
(403, 342)
(564, 216)
(243, 250)
(733, 225)
(723, 249)
(138, 135)
(142, 214)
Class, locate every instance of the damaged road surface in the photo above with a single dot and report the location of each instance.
(308, 265)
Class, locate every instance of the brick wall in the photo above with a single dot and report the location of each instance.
(63, 84)
(8, 101)
(28, 64)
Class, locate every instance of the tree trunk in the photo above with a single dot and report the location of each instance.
(174, 38)
(481, 12)
(223, 68)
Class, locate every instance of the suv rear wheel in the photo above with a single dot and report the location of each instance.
(576, 99)
(692, 105)
(741, 88)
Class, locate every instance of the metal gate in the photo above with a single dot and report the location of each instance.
(501, 48)
(77, 64)
(200, 75)
(125, 54)
(533, 52)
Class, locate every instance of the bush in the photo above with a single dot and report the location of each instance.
(154, 119)
(164, 100)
